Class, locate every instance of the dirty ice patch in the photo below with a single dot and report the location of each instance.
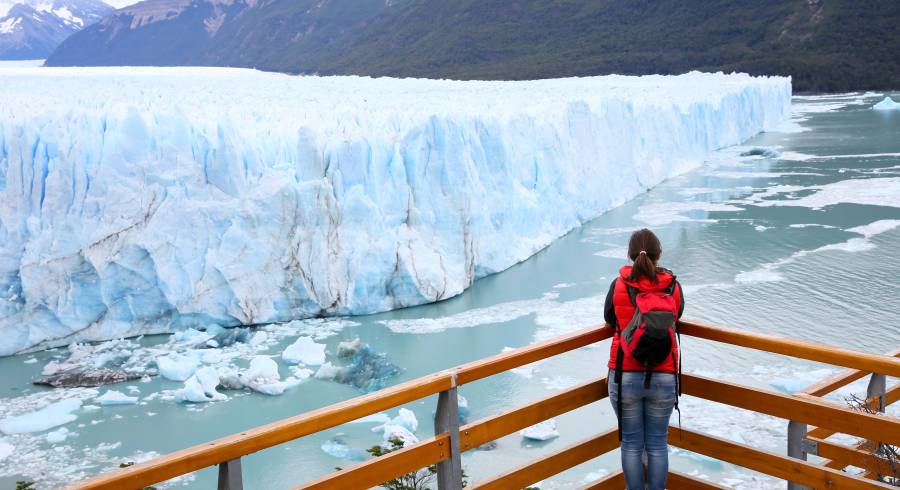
(53, 415)
(769, 272)
(665, 213)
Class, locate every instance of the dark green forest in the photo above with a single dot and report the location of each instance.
(825, 45)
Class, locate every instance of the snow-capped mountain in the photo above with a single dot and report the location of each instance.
(32, 29)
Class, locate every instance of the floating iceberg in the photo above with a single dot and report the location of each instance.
(262, 376)
(177, 367)
(888, 104)
(51, 416)
(138, 204)
(58, 435)
(113, 397)
(368, 370)
(541, 431)
(201, 387)
(304, 351)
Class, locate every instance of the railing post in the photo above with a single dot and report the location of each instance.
(230, 477)
(449, 471)
(876, 389)
(795, 448)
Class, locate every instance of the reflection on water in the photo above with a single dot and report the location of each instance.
(796, 237)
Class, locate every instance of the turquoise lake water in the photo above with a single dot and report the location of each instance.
(802, 241)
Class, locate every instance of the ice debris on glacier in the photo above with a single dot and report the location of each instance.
(53, 415)
(138, 205)
(888, 104)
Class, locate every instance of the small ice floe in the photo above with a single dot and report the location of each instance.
(542, 431)
(201, 387)
(30, 360)
(760, 228)
(53, 415)
(594, 476)
(339, 449)
(113, 397)
(304, 351)
(262, 376)
(6, 449)
(57, 436)
(177, 367)
(800, 380)
(375, 418)
(405, 418)
(887, 104)
(400, 427)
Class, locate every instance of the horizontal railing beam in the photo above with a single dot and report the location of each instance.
(553, 463)
(612, 481)
(839, 380)
(491, 428)
(681, 481)
(802, 409)
(505, 361)
(253, 440)
(848, 456)
(383, 468)
(891, 396)
(767, 462)
(838, 356)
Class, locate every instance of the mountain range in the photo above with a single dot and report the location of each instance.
(826, 45)
(32, 29)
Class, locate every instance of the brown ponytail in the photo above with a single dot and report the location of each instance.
(644, 249)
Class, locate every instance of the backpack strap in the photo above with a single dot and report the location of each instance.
(670, 289)
(632, 293)
(620, 359)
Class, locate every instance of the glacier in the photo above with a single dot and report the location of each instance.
(151, 200)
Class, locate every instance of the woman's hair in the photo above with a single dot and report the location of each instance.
(644, 249)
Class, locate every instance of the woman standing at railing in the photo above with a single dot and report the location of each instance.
(644, 304)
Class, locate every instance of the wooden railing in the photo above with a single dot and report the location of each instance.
(451, 439)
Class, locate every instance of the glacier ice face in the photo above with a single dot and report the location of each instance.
(147, 200)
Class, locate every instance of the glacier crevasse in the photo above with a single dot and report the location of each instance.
(148, 200)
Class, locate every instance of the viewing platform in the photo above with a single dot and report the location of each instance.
(811, 421)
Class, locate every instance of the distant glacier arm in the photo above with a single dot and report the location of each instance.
(140, 200)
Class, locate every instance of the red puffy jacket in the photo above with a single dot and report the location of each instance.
(619, 310)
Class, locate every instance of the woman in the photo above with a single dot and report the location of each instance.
(647, 393)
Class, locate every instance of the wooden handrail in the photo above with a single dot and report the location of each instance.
(792, 407)
(892, 395)
(553, 463)
(505, 361)
(681, 481)
(476, 433)
(839, 380)
(612, 481)
(253, 440)
(838, 356)
(800, 408)
(767, 462)
(378, 470)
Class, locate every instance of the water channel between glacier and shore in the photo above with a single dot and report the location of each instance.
(795, 232)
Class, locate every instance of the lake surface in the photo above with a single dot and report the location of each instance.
(801, 241)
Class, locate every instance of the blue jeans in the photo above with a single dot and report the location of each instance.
(645, 426)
